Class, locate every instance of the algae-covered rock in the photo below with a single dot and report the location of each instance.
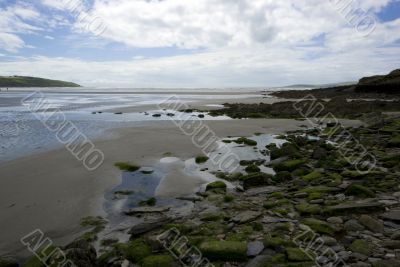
(320, 226)
(8, 262)
(158, 261)
(135, 251)
(361, 246)
(224, 250)
(305, 208)
(256, 180)
(360, 191)
(216, 185)
(296, 254)
(313, 176)
(289, 165)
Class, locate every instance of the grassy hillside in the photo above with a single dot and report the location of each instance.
(21, 81)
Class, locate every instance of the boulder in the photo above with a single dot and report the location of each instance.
(371, 224)
(254, 248)
(224, 250)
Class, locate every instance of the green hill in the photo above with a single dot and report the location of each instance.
(22, 81)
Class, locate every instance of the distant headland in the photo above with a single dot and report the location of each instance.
(24, 81)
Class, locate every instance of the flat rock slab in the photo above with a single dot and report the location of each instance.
(142, 210)
(270, 219)
(263, 190)
(393, 215)
(357, 206)
(246, 216)
(148, 226)
(254, 248)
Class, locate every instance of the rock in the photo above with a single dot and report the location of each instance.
(371, 224)
(319, 153)
(192, 198)
(259, 261)
(141, 210)
(8, 261)
(254, 248)
(263, 190)
(395, 236)
(361, 246)
(156, 115)
(81, 253)
(158, 260)
(218, 185)
(246, 216)
(353, 226)
(391, 244)
(148, 226)
(289, 165)
(386, 263)
(357, 206)
(319, 226)
(269, 219)
(224, 250)
(256, 180)
(296, 254)
(393, 215)
(335, 220)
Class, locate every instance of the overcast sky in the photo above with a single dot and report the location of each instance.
(199, 43)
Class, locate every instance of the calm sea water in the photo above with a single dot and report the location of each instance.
(22, 133)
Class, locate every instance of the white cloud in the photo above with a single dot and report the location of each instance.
(14, 20)
(243, 42)
(218, 68)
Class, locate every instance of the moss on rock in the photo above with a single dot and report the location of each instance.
(158, 261)
(224, 250)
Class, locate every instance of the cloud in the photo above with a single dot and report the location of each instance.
(217, 68)
(15, 20)
(232, 43)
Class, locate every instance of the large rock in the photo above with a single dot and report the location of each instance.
(246, 216)
(81, 253)
(148, 226)
(393, 215)
(7, 261)
(371, 224)
(224, 250)
(357, 206)
(254, 248)
(263, 190)
(256, 180)
(142, 210)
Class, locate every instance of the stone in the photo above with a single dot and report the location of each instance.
(361, 246)
(254, 248)
(8, 261)
(81, 253)
(393, 215)
(386, 263)
(259, 261)
(320, 226)
(357, 206)
(263, 190)
(298, 255)
(353, 226)
(319, 153)
(335, 220)
(391, 244)
(371, 224)
(148, 226)
(270, 219)
(246, 216)
(224, 250)
(141, 210)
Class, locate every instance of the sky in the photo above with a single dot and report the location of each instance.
(199, 43)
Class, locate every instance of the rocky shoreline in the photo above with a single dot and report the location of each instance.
(318, 209)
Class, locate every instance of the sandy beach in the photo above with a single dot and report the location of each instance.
(52, 191)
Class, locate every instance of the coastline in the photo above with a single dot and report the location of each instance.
(53, 191)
